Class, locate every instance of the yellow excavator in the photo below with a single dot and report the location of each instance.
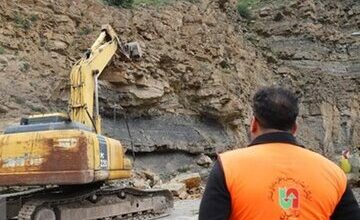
(66, 155)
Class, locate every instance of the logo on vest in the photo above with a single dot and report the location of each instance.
(289, 198)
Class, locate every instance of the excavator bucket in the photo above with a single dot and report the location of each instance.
(133, 49)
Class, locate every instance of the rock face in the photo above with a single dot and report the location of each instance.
(170, 132)
(187, 93)
(310, 48)
(201, 65)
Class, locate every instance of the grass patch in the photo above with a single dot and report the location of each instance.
(2, 50)
(152, 2)
(244, 7)
(135, 3)
(120, 3)
(43, 42)
(244, 10)
(159, 2)
(85, 31)
(22, 22)
(19, 100)
(24, 67)
(34, 18)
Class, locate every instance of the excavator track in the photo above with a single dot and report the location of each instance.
(105, 204)
(27, 211)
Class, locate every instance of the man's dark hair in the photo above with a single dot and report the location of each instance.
(275, 108)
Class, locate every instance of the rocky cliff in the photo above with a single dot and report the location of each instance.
(201, 65)
(310, 48)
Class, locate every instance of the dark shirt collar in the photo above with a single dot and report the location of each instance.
(275, 137)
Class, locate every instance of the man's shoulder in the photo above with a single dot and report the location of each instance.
(324, 160)
(298, 152)
(242, 153)
(238, 151)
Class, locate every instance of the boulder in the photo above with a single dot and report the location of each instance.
(265, 11)
(204, 160)
(176, 189)
(141, 184)
(183, 195)
(191, 180)
(57, 45)
(3, 62)
(152, 177)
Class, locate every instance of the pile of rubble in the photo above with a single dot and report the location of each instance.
(185, 184)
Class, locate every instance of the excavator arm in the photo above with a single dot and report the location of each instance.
(85, 73)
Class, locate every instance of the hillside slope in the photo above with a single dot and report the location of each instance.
(201, 64)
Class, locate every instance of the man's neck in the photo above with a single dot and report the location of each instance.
(271, 130)
(275, 137)
(267, 131)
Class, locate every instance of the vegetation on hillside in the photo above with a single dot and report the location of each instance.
(2, 50)
(134, 3)
(244, 7)
(120, 3)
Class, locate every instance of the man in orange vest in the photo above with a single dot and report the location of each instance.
(275, 178)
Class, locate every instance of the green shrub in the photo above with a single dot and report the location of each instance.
(120, 3)
(22, 22)
(19, 100)
(34, 18)
(24, 67)
(158, 2)
(152, 2)
(244, 10)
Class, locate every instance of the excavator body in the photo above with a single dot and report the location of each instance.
(59, 152)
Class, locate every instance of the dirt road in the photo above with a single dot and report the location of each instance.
(185, 210)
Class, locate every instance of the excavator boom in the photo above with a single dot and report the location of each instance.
(84, 75)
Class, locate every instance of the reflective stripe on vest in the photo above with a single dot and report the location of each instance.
(280, 181)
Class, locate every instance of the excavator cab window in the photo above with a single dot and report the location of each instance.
(45, 123)
(43, 119)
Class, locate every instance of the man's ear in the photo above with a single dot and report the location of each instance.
(254, 125)
(294, 128)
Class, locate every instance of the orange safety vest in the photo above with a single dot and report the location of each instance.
(279, 181)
